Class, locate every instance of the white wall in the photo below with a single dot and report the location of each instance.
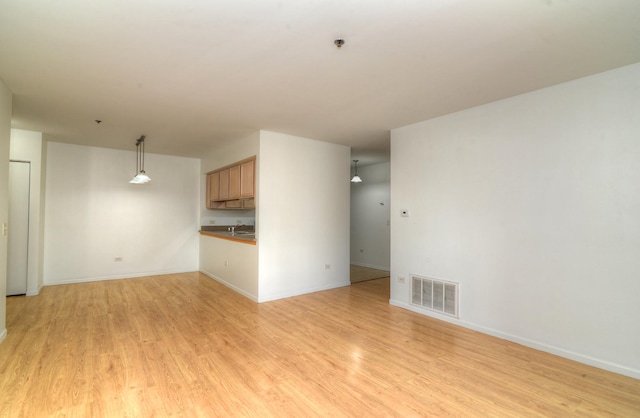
(303, 216)
(533, 204)
(231, 263)
(302, 219)
(27, 146)
(94, 215)
(370, 231)
(235, 150)
(5, 134)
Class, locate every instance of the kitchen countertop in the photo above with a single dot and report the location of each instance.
(245, 235)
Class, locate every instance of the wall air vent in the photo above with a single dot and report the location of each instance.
(436, 295)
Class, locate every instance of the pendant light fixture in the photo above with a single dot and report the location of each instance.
(140, 177)
(356, 178)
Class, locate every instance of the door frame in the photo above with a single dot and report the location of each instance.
(28, 228)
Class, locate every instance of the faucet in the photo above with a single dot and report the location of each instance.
(232, 230)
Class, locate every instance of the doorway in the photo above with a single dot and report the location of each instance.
(370, 224)
(18, 248)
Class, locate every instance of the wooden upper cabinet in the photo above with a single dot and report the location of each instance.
(224, 185)
(207, 199)
(232, 186)
(247, 178)
(234, 182)
(213, 187)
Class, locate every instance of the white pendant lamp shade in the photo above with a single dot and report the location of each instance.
(141, 177)
(356, 178)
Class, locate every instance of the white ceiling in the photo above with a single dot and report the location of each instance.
(193, 73)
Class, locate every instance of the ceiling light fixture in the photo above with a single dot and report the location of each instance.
(338, 43)
(356, 178)
(140, 177)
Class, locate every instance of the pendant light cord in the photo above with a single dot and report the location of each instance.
(140, 155)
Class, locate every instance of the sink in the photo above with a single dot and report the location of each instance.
(245, 233)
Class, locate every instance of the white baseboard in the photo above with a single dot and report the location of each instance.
(275, 296)
(3, 335)
(115, 277)
(34, 292)
(304, 291)
(230, 286)
(371, 266)
(571, 355)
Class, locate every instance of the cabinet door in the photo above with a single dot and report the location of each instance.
(234, 182)
(247, 176)
(213, 188)
(233, 204)
(207, 199)
(224, 185)
(248, 203)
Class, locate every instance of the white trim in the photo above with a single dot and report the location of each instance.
(605, 365)
(276, 296)
(3, 335)
(371, 266)
(304, 291)
(116, 277)
(229, 285)
(36, 292)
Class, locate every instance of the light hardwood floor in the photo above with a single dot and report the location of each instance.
(361, 274)
(184, 345)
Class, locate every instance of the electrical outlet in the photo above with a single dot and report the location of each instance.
(401, 280)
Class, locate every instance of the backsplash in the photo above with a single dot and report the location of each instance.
(229, 220)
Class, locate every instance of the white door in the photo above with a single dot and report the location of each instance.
(19, 182)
